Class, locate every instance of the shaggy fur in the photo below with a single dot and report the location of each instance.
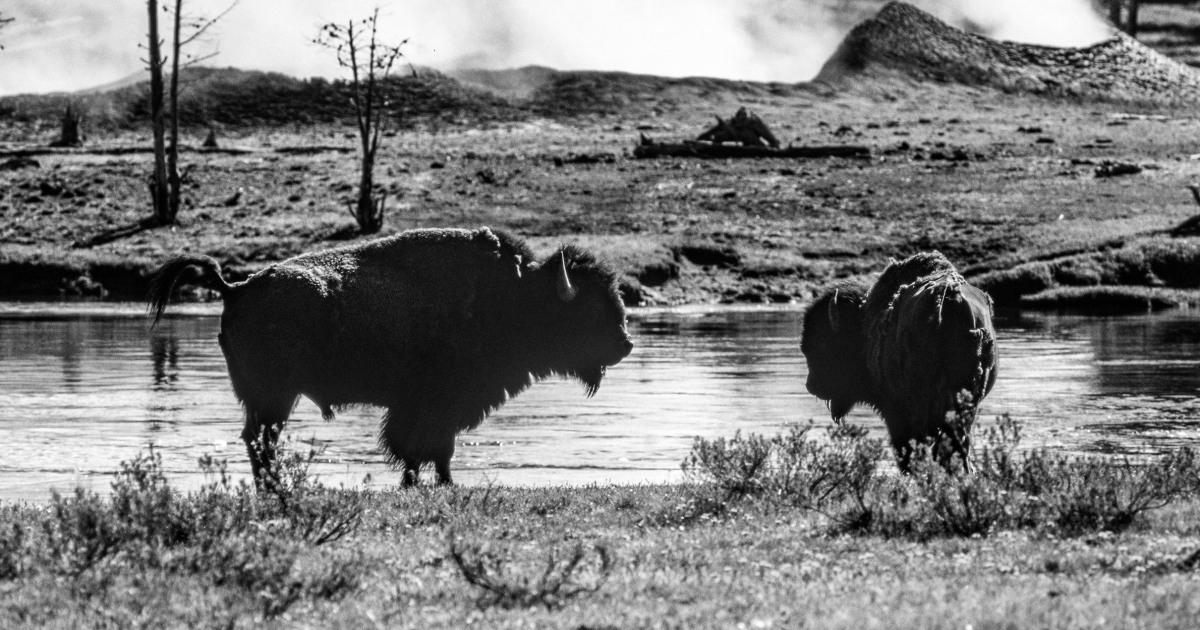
(918, 347)
(438, 326)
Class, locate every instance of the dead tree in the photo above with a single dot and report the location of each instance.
(187, 29)
(4, 22)
(163, 213)
(165, 182)
(369, 61)
(1130, 22)
(71, 121)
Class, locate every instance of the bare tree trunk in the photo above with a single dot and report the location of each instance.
(366, 213)
(69, 135)
(1114, 12)
(1131, 18)
(173, 149)
(158, 181)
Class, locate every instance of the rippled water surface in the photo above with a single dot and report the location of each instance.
(84, 387)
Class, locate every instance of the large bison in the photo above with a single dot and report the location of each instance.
(918, 347)
(439, 326)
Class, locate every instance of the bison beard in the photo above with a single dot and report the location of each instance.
(439, 327)
(918, 347)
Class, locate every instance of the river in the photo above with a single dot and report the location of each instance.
(84, 386)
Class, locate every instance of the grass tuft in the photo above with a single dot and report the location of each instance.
(559, 579)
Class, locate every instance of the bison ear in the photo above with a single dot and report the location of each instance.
(566, 292)
(834, 322)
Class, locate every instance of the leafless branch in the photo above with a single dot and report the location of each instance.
(198, 26)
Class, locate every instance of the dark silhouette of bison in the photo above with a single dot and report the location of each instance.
(439, 326)
(745, 128)
(918, 347)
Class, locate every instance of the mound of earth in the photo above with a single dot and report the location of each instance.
(903, 40)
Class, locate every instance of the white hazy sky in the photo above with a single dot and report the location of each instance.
(75, 44)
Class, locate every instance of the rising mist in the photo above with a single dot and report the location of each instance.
(77, 44)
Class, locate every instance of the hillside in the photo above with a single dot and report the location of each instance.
(426, 98)
(902, 40)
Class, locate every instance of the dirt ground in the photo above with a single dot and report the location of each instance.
(989, 178)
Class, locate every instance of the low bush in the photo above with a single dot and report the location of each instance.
(1007, 488)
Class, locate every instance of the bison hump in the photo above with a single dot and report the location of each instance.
(935, 340)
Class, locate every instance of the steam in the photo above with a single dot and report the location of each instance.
(79, 44)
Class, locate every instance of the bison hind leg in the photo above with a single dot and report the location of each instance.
(264, 422)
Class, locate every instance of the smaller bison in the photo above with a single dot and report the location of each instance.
(745, 128)
(918, 347)
(438, 326)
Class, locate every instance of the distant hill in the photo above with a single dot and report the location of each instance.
(233, 97)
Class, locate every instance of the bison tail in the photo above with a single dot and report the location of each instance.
(162, 284)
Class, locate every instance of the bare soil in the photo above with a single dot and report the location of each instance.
(993, 179)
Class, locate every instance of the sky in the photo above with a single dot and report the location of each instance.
(67, 45)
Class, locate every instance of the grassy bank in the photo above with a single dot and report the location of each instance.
(794, 531)
(994, 181)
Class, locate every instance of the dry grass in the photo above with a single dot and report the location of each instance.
(604, 556)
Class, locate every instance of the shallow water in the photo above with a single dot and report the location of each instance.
(83, 387)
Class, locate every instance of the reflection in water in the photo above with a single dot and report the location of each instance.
(75, 400)
(1108, 384)
(164, 354)
(71, 348)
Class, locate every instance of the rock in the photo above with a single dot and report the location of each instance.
(17, 163)
(1109, 168)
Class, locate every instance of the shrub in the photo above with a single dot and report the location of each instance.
(147, 509)
(315, 513)
(80, 532)
(14, 559)
(736, 466)
(1083, 494)
(958, 504)
(1008, 488)
(814, 475)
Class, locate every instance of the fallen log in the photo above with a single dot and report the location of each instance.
(712, 151)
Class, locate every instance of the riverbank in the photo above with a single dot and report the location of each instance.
(992, 180)
(1116, 548)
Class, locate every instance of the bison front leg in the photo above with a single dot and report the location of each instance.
(412, 473)
(416, 435)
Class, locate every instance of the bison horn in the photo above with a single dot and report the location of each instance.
(833, 312)
(566, 292)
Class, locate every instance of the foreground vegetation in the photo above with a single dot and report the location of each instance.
(799, 530)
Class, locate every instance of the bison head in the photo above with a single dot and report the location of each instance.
(832, 343)
(585, 317)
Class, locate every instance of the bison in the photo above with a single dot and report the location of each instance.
(745, 128)
(918, 347)
(438, 326)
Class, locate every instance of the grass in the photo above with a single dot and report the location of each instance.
(798, 530)
(678, 231)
